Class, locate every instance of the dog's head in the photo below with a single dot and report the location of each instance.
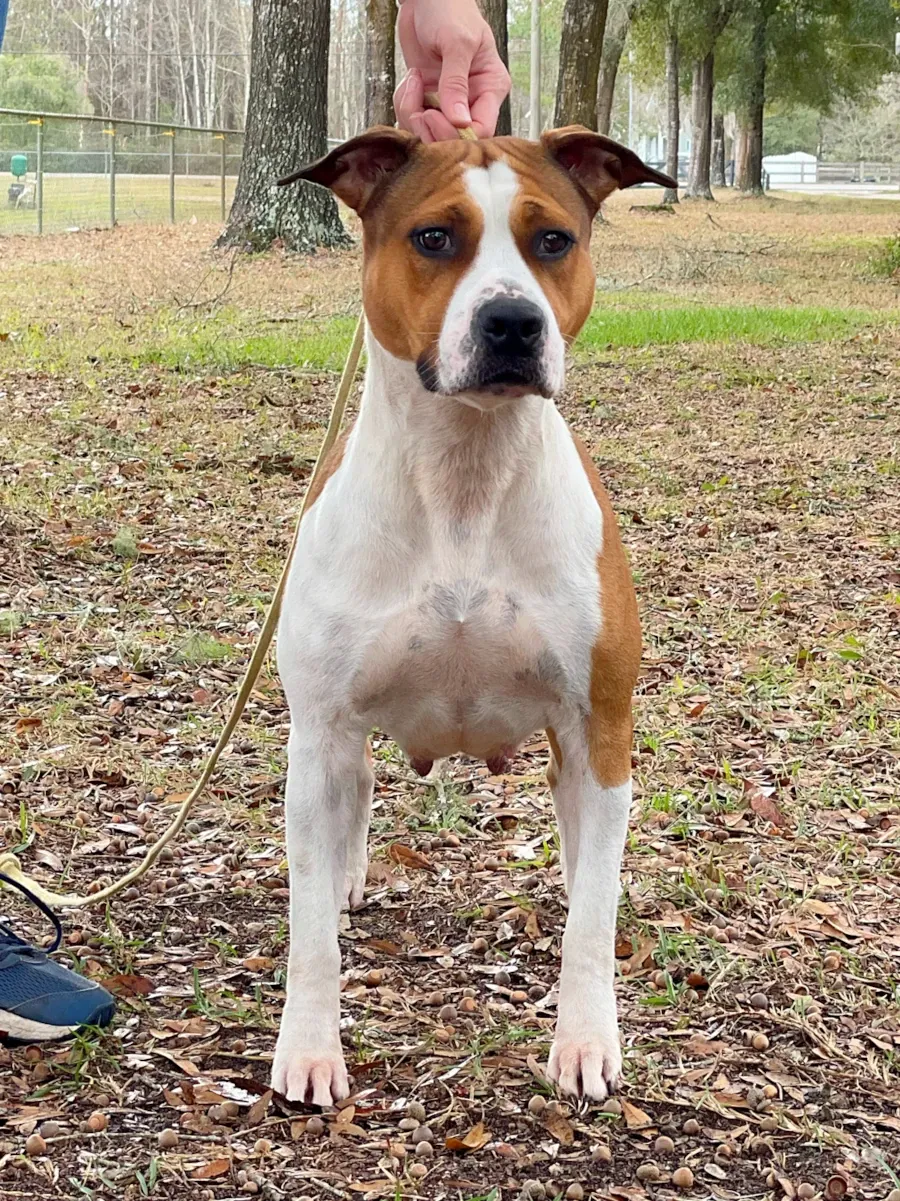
(477, 265)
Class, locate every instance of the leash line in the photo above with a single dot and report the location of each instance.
(9, 862)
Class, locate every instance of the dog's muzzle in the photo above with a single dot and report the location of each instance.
(508, 336)
(503, 351)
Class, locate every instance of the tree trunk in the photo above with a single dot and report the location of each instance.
(286, 118)
(717, 158)
(701, 130)
(673, 114)
(750, 114)
(381, 16)
(614, 38)
(580, 48)
(495, 15)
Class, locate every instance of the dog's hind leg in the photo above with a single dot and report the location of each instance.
(327, 776)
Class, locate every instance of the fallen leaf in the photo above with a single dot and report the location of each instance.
(384, 945)
(258, 1109)
(762, 805)
(49, 859)
(639, 959)
(407, 856)
(731, 1100)
(558, 1126)
(209, 1171)
(538, 1072)
(713, 1169)
(473, 1141)
(187, 1065)
(699, 1047)
(532, 929)
(93, 848)
(128, 986)
(635, 1118)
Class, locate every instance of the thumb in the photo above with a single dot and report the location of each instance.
(453, 87)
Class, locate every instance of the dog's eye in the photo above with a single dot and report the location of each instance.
(553, 243)
(436, 242)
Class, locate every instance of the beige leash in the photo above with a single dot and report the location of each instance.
(9, 863)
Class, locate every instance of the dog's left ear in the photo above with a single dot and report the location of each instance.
(355, 170)
(597, 164)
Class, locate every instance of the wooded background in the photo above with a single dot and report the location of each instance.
(744, 77)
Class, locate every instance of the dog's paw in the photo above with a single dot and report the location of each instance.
(309, 1074)
(355, 883)
(586, 1067)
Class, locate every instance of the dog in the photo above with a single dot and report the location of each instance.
(459, 581)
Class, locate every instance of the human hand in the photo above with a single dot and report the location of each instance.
(449, 48)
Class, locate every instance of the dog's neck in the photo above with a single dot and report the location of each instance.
(460, 460)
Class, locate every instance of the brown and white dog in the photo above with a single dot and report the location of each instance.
(459, 582)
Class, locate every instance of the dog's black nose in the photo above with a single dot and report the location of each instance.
(511, 327)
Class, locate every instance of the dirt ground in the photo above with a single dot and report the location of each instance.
(144, 516)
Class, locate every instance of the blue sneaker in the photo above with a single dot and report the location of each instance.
(41, 999)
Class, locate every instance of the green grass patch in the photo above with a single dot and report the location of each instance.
(756, 324)
(886, 260)
(229, 341)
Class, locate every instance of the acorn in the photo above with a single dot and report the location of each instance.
(647, 1172)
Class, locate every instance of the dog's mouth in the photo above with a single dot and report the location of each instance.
(507, 378)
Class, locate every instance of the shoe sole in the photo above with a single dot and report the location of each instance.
(27, 1030)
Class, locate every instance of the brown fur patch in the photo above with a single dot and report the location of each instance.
(406, 294)
(329, 467)
(554, 767)
(616, 655)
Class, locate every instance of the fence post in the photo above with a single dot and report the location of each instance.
(111, 131)
(171, 136)
(222, 173)
(40, 175)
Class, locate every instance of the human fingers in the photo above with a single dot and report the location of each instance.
(409, 99)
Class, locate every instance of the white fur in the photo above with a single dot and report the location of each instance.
(498, 269)
(445, 589)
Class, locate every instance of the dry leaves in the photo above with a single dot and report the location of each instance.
(209, 1171)
(407, 857)
(476, 1138)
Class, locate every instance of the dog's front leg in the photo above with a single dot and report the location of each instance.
(327, 775)
(593, 819)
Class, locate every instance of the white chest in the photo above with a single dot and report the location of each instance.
(454, 611)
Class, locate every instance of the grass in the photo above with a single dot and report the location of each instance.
(82, 202)
(886, 261)
(756, 489)
(754, 324)
(229, 341)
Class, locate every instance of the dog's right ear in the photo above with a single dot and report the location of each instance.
(356, 169)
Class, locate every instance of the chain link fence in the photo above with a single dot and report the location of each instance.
(64, 172)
